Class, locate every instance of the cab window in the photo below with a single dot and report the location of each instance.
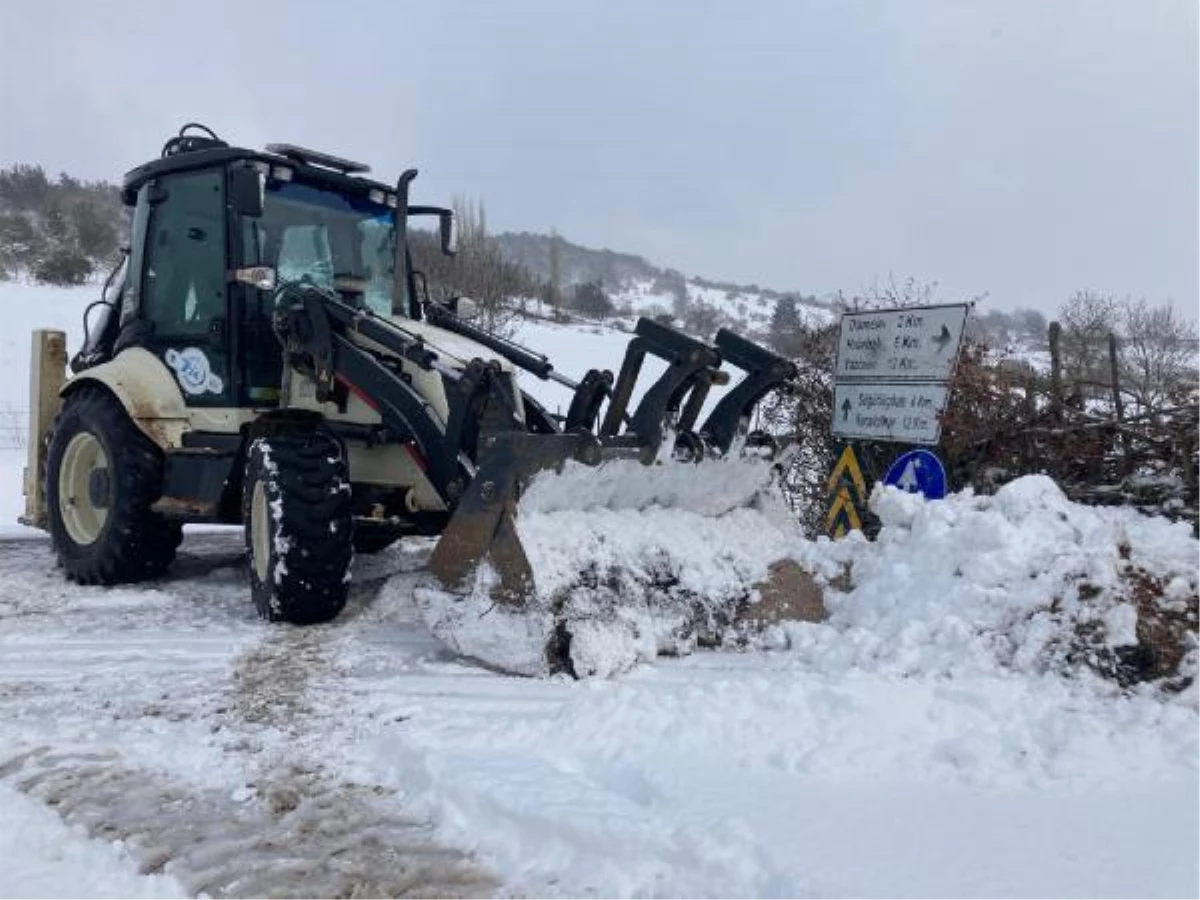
(184, 286)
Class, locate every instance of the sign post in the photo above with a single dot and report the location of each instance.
(891, 384)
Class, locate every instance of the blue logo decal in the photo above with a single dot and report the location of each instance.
(193, 371)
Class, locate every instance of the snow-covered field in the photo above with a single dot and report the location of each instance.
(162, 741)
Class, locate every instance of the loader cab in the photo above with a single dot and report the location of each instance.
(216, 229)
(309, 232)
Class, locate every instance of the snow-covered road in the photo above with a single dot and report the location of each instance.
(231, 757)
(171, 720)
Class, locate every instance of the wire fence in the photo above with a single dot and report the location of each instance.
(14, 428)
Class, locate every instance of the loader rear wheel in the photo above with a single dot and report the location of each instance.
(102, 474)
(296, 509)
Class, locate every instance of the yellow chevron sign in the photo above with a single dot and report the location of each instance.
(843, 516)
(847, 465)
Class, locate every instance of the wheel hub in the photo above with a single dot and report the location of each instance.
(84, 488)
(99, 488)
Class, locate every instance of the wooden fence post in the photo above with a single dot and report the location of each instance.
(1118, 405)
(1056, 397)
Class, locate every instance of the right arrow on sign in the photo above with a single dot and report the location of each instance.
(943, 339)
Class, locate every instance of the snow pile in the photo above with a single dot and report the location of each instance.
(629, 562)
(1023, 580)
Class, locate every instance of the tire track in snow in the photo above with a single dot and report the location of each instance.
(302, 839)
(292, 826)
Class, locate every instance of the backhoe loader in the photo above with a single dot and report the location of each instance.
(267, 355)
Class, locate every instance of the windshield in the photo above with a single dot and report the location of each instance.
(340, 243)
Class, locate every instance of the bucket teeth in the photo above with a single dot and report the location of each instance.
(482, 527)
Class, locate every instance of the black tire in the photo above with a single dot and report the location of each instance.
(370, 539)
(300, 486)
(120, 540)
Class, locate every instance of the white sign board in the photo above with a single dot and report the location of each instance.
(911, 344)
(904, 413)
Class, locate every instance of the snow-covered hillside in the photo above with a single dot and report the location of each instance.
(932, 738)
(638, 287)
(742, 309)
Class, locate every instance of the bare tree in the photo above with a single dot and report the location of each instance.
(554, 289)
(892, 295)
(702, 319)
(479, 270)
(1087, 318)
(803, 417)
(1157, 355)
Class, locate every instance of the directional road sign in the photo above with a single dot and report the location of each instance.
(918, 472)
(909, 344)
(905, 413)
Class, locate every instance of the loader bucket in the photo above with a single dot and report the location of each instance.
(482, 527)
(569, 553)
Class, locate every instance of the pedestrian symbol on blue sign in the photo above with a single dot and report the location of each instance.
(918, 472)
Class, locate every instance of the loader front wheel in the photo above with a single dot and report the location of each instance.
(102, 474)
(296, 509)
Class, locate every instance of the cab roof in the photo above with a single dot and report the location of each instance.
(309, 166)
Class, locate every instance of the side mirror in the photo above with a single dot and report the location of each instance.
(449, 229)
(464, 307)
(246, 190)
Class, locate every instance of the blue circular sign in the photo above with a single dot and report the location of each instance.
(918, 472)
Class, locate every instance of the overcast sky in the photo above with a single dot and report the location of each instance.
(1020, 148)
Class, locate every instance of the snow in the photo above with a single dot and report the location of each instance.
(12, 498)
(43, 857)
(930, 738)
(26, 307)
(722, 776)
(573, 350)
(626, 558)
(990, 583)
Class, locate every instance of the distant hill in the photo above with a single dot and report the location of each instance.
(578, 264)
(639, 287)
(614, 270)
